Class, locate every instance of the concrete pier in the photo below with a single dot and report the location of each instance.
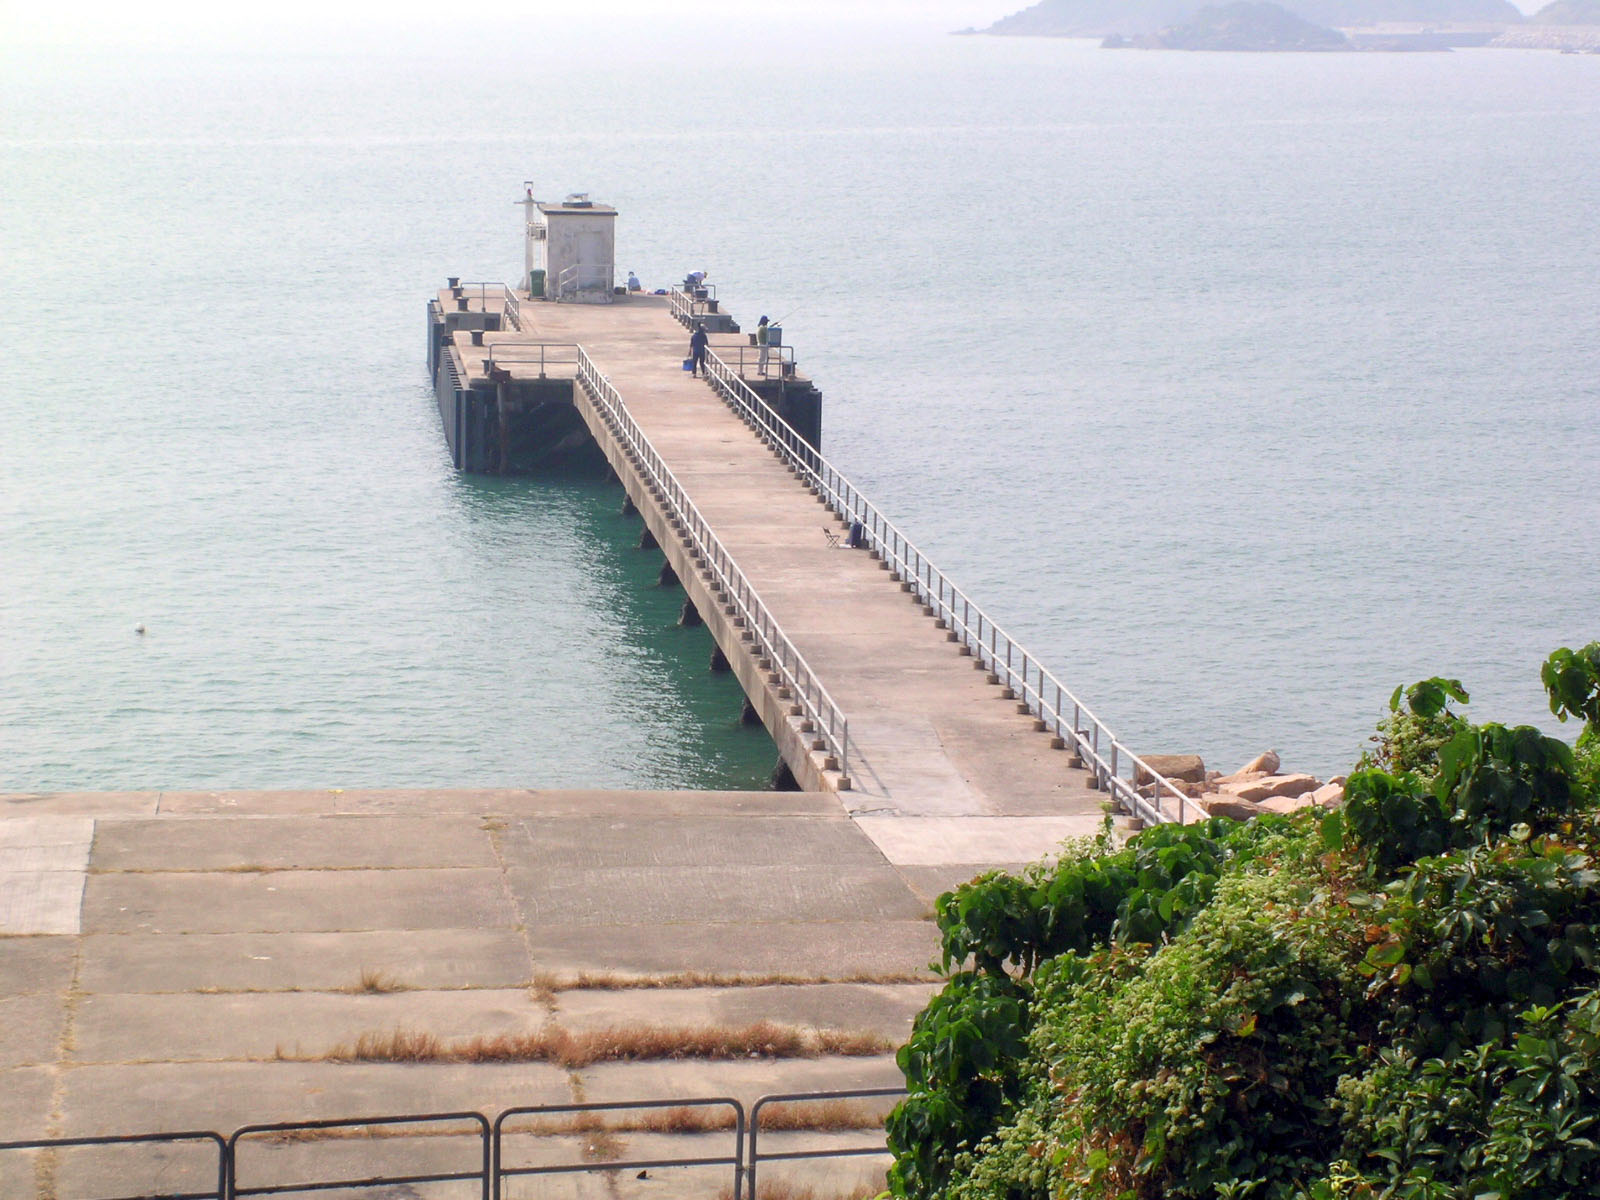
(940, 753)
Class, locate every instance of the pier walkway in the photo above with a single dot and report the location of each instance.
(878, 680)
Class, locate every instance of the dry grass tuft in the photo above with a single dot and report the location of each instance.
(763, 1039)
(613, 981)
(827, 1116)
(374, 982)
(820, 1116)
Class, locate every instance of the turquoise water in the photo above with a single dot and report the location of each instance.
(1242, 388)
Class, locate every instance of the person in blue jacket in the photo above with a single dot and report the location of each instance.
(697, 347)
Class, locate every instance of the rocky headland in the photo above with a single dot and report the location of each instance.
(1568, 12)
(1571, 26)
(1244, 25)
(1132, 18)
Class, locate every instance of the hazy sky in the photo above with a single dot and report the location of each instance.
(153, 22)
(333, 25)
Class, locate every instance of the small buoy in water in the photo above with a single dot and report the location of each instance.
(139, 629)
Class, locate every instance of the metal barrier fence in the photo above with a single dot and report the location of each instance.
(819, 714)
(136, 1139)
(780, 359)
(754, 1157)
(502, 1172)
(544, 354)
(481, 1175)
(490, 1168)
(686, 306)
(585, 277)
(1008, 662)
(510, 304)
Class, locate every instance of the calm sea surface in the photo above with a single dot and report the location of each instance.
(1242, 388)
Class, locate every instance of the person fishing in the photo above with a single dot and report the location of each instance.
(697, 347)
(763, 345)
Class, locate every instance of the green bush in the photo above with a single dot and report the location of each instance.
(1397, 999)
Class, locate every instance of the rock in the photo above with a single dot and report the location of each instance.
(1272, 785)
(1267, 763)
(1188, 767)
(1287, 804)
(1232, 806)
(1240, 777)
(1329, 794)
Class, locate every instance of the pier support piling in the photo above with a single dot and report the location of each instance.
(783, 779)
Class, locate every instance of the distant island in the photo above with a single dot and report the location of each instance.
(1132, 18)
(1568, 12)
(1243, 25)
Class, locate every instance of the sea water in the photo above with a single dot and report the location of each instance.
(1240, 388)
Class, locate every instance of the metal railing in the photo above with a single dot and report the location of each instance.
(224, 1157)
(686, 307)
(581, 277)
(735, 1116)
(754, 1157)
(504, 296)
(309, 1131)
(1009, 663)
(544, 355)
(780, 360)
(820, 716)
(489, 1168)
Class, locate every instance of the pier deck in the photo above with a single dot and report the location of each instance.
(939, 756)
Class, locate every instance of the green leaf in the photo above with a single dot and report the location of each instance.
(1333, 831)
(1388, 954)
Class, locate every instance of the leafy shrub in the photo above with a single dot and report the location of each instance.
(1572, 679)
(1409, 739)
(1398, 999)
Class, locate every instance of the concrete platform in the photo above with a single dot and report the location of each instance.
(225, 943)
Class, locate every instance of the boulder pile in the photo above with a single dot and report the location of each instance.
(1261, 785)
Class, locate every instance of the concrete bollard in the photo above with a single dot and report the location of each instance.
(477, 337)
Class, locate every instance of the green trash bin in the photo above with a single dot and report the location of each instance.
(536, 283)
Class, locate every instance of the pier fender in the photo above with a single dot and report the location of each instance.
(629, 509)
(647, 540)
(748, 714)
(667, 577)
(690, 617)
(719, 661)
(783, 779)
